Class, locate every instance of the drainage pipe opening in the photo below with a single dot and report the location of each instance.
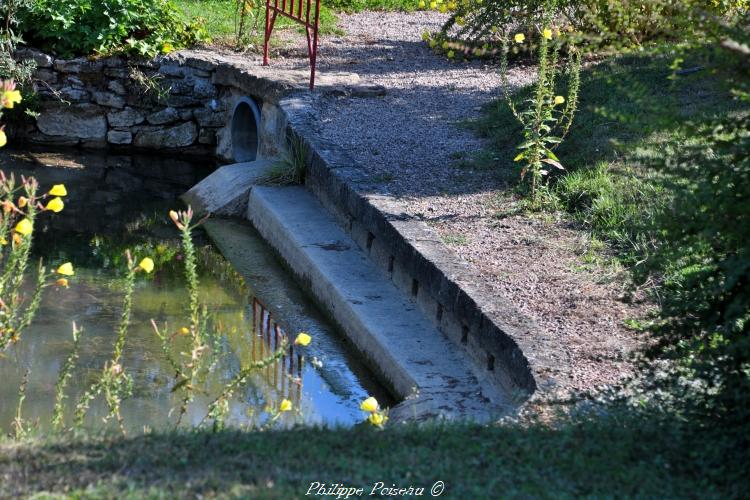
(245, 130)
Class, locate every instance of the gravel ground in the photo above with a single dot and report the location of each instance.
(412, 140)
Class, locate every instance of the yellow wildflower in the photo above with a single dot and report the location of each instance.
(519, 38)
(377, 419)
(24, 227)
(184, 330)
(3, 241)
(62, 282)
(55, 204)
(547, 33)
(147, 264)
(66, 269)
(3, 138)
(369, 405)
(559, 99)
(58, 190)
(302, 339)
(17, 239)
(9, 98)
(285, 405)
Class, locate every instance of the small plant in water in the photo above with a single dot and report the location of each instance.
(114, 383)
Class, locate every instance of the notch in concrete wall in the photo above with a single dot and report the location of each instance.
(245, 130)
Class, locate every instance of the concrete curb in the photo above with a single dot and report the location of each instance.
(509, 347)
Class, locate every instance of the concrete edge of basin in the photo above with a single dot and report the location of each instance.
(509, 347)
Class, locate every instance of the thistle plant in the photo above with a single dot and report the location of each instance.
(548, 116)
(114, 383)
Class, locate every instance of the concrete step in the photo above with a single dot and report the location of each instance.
(225, 191)
(416, 361)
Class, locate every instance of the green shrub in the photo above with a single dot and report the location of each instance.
(703, 261)
(83, 27)
(599, 23)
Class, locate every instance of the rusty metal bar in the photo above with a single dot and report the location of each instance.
(311, 29)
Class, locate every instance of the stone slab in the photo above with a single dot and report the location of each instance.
(225, 191)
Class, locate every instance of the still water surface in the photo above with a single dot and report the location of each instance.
(121, 202)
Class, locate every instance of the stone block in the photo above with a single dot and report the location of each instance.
(163, 117)
(178, 136)
(125, 118)
(119, 137)
(109, 100)
(81, 121)
(78, 65)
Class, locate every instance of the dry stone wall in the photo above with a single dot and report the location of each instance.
(167, 104)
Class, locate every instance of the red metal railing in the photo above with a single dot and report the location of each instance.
(286, 8)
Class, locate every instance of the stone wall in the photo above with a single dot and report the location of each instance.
(166, 104)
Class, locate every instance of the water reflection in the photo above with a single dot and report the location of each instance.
(117, 203)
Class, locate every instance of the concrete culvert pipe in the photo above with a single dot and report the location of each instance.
(245, 130)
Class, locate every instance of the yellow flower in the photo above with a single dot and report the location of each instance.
(370, 405)
(167, 48)
(55, 204)
(302, 339)
(3, 241)
(24, 227)
(22, 201)
(17, 239)
(66, 269)
(184, 330)
(58, 190)
(3, 138)
(422, 4)
(147, 264)
(377, 419)
(433, 5)
(547, 33)
(559, 99)
(519, 38)
(285, 405)
(9, 98)
(62, 282)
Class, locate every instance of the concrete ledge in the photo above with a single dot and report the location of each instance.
(417, 362)
(500, 340)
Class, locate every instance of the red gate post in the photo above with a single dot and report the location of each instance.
(302, 16)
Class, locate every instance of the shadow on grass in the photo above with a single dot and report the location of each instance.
(630, 109)
(613, 455)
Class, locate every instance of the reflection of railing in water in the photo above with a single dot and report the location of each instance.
(285, 375)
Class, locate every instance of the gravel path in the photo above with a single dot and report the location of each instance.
(411, 140)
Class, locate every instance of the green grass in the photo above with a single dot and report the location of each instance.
(631, 113)
(220, 15)
(616, 455)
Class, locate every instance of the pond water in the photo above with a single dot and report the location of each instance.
(121, 202)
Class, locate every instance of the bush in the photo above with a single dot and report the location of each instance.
(599, 23)
(82, 27)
